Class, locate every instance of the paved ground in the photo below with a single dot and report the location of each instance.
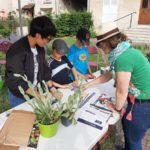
(146, 141)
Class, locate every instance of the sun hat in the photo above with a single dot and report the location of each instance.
(106, 31)
(60, 46)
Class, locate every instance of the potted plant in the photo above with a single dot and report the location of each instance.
(70, 107)
(47, 113)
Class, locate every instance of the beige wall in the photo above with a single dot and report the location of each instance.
(62, 6)
(95, 6)
(38, 4)
(126, 7)
(6, 5)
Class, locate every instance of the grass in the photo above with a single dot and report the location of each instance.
(2, 56)
(4, 103)
(109, 143)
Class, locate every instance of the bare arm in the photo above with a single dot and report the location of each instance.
(101, 79)
(122, 79)
(53, 90)
(75, 73)
(33, 91)
(61, 86)
(89, 70)
(57, 94)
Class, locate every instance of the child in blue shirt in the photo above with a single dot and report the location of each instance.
(78, 54)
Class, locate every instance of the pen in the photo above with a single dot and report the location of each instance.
(86, 100)
(103, 111)
(99, 107)
(108, 118)
(90, 112)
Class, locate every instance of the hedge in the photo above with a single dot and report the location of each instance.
(69, 23)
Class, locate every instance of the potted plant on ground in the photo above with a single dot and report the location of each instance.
(47, 113)
(70, 107)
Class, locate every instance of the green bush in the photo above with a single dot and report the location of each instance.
(69, 23)
(93, 33)
(140, 47)
(5, 32)
(7, 25)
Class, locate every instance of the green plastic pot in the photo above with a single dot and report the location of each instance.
(1, 84)
(48, 130)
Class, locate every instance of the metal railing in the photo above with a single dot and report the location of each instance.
(131, 14)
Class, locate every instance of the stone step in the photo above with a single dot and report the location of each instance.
(139, 34)
(138, 31)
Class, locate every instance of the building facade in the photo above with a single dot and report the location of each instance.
(102, 10)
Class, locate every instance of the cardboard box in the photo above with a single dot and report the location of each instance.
(4, 147)
(17, 128)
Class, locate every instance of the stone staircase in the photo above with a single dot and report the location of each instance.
(139, 34)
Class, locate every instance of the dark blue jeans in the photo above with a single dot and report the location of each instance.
(14, 100)
(135, 129)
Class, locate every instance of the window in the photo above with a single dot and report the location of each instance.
(31, 1)
(47, 1)
(114, 2)
(145, 4)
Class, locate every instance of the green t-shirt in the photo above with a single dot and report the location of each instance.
(135, 62)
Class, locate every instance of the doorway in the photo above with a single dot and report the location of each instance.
(77, 5)
(144, 15)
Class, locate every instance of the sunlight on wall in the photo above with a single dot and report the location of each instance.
(110, 8)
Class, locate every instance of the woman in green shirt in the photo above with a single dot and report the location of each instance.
(131, 71)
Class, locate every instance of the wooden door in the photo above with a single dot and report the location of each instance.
(144, 15)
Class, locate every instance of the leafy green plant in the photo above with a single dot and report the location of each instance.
(42, 103)
(72, 105)
(70, 23)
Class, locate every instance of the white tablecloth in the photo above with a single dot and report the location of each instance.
(74, 137)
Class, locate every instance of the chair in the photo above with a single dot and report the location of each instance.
(93, 51)
(4, 46)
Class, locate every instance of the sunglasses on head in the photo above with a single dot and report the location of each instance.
(48, 38)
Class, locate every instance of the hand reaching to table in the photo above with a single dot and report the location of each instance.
(67, 86)
(89, 76)
(57, 94)
(75, 83)
(85, 86)
(110, 105)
